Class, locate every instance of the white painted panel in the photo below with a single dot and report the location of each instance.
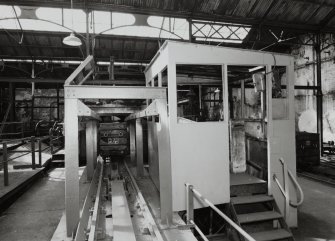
(281, 144)
(200, 156)
(153, 153)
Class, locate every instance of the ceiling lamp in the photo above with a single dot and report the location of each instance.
(72, 40)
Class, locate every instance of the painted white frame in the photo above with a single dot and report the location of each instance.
(172, 53)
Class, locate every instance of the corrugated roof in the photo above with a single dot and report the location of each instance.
(48, 45)
(303, 14)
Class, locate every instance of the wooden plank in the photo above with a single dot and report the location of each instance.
(122, 224)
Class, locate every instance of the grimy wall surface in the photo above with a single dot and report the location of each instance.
(305, 101)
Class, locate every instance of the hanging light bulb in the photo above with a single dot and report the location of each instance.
(72, 40)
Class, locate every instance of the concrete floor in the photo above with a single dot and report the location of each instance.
(35, 215)
(316, 216)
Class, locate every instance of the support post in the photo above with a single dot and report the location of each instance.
(95, 143)
(40, 152)
(71, 165)
(190, 29)
(5, 164)
(132, 140)
(164, 159)
(242, 98)
(90, 149)
(87, 42)
(32, 142)
(319, 111)
(189, 203)
(139, 148)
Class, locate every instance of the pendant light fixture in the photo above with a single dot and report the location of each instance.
(72, 40)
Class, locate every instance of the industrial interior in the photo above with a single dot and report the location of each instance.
(167, 120)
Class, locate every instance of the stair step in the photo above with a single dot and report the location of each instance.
(258, 216)
(251, 199)
(271, 235)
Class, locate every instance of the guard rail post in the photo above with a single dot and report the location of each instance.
(189, 204)
(5, 164)
(32, 140)
(40, 152)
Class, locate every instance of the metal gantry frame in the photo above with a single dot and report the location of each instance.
(187, 146)
(74, 108)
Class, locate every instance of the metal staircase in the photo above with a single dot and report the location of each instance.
(261, 218)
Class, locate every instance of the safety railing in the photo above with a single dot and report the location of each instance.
(190, 194)
(14, 129)
(285, 190)
(6, 151)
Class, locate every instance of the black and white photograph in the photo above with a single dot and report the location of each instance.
(167, 120)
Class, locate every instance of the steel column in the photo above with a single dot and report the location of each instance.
(32, 142)
(139, 147)
(242, 99)
(164, 159)
(95, 143)
(87, 41)
(71, 165)
(132, 140)
(5, 164)
(90, 149)
(319, 111)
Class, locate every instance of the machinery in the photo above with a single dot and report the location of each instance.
(200, 112)
(113, 139)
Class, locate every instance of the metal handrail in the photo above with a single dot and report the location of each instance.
(285, 191)
(5, 151)
(190, 193)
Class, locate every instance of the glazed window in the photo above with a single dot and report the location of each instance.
(199, 93)
(279, 93)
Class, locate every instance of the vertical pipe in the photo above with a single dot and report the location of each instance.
(190, 29)
(5, 164)
(87, 42)
(40, 152)
(242, 98)
(319, 111)
(32, 140)
(32, 113)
